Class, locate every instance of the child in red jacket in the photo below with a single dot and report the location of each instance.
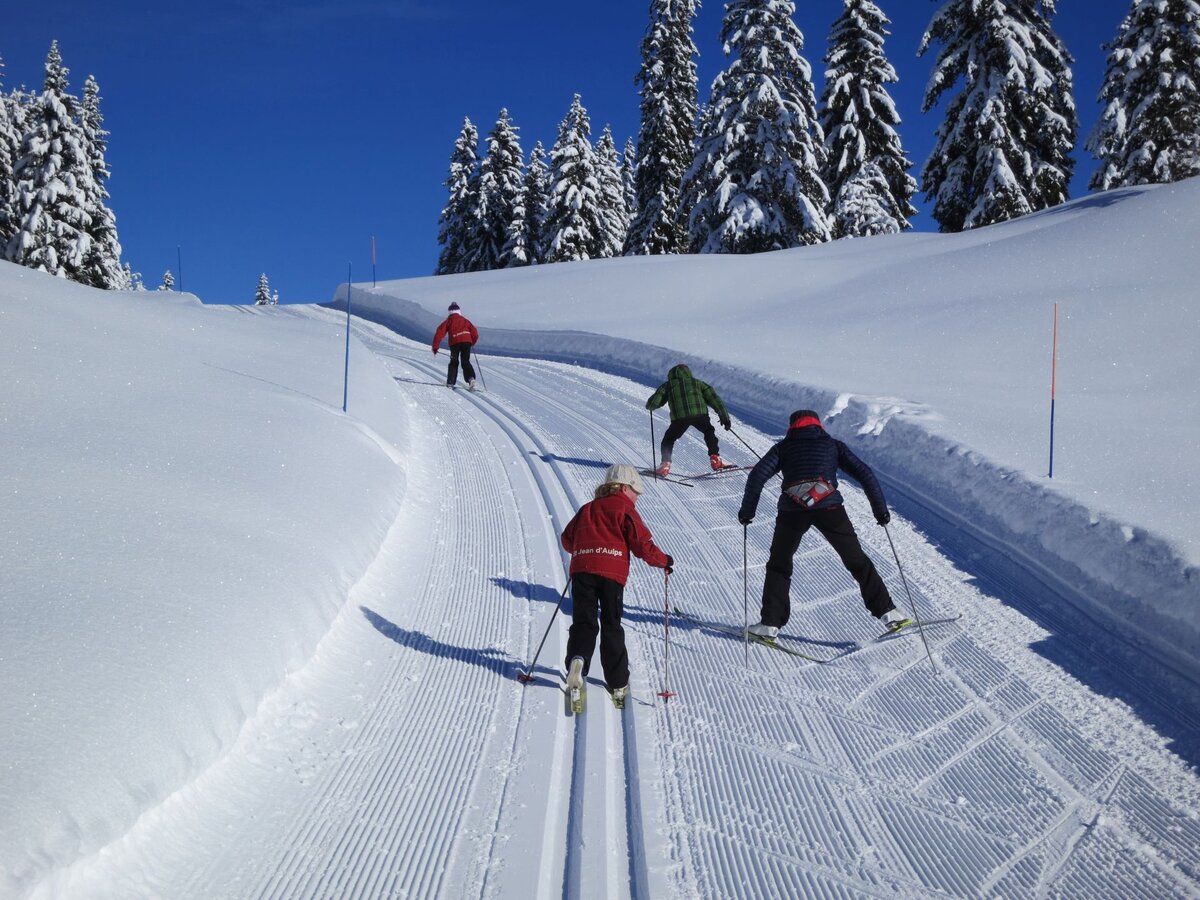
(462, 335)
(600, 538)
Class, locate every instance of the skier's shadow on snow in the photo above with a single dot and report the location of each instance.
(527, 590)
(492, 659)
(571, 460)
(683, 623)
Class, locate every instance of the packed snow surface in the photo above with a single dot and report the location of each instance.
(258, 646)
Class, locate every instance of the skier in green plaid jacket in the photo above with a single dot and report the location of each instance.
(689, 399)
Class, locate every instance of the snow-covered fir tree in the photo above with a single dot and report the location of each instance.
(262, 294)
(1149, 130)
(574, 229)
(501, 192)
(1004, 147)
(614, 214)
(629, 179)
(102, 261)
(866, 169)
(755, 183)
(536, 204)
(460, 223)
(8, 158)
(131, 280)
(53, 182)
(668, 88)
(168, 281)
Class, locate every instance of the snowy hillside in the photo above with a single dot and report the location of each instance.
(256, 647)
(935, 352)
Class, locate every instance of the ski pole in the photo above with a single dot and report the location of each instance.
(745, 595)
(527, 676)
(747, 446)
(665, 693)
(911, 605)
(482, 383)
(653, 451)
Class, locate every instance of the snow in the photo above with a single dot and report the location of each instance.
(240, 624)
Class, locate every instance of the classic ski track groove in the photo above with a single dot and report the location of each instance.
(765, 776)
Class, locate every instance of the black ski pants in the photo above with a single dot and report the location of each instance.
(678, 426)
(589, 594)
(835, 527)
(460, 351)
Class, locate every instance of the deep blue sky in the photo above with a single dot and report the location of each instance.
(280, 135)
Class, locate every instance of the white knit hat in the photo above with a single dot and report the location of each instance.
(619, 473)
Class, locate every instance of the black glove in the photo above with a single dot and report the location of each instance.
(670, 566)
(726, 424)
(745, 518)
(883, 518)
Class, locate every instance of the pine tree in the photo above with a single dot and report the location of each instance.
(1149, 131)
(866, 170)
(262, 296)
(102, 262)
(614, 215)
(629, 180)
(501, 191)
(755, 183)
(9, 142)
(459, 225)
(573, 226)
(668, 88)
(168, 281)
(53, 181)
(1004, 147)
(537, 204)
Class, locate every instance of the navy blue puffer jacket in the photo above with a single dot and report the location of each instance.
(809, 452)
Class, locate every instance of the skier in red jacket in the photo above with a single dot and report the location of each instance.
(462, 335)
(600, 539)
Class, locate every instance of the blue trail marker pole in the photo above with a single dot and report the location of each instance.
(346, 375)
(1053, 385)
(179, 264)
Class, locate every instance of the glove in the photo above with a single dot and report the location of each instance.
(884, 518)
(670, 566)
(435, 351)
(745, 518)
(726, 424)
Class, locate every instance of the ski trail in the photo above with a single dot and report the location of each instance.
(406, 760)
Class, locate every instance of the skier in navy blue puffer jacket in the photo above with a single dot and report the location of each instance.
(809, 460)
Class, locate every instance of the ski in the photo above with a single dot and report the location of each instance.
(756, 639)
(576, 687)
(577, 698)
(822, 660)
(650, 473)
(724, 470)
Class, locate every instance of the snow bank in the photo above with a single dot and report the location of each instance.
(185, 508)
(932, 353)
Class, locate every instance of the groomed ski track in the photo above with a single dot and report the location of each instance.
(405, 760)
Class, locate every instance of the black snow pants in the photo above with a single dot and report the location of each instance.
(678, 426)
(460, 351)
(589, 594)
(835, 527)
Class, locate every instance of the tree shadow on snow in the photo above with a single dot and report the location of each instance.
(491, 658)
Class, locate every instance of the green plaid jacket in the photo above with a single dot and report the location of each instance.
(687, 396)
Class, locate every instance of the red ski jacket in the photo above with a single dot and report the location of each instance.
(604, 533)
(458, 328)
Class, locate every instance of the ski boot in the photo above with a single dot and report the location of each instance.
(576, 687)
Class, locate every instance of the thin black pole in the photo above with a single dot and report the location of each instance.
(346, 375)
(745, 594)
(179, 264)
(653, 447)
(911, 605)
(665, 693)
(526, 676)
